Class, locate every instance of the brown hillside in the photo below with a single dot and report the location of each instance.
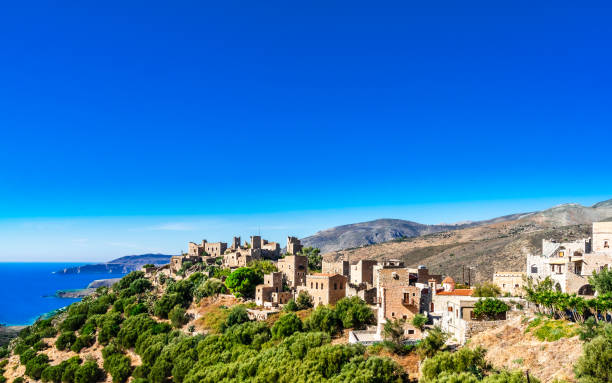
(488, 248)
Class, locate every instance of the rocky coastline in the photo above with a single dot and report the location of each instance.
(90, 289)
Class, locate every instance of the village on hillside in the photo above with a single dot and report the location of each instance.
(253, 311)
(398, 294)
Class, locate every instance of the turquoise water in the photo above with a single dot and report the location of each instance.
(27, 289)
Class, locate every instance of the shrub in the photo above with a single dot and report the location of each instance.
(602, 281)
(263, 267)
(304, 301)
(463, 360)
(314, 257)
(132, 328)
(166, 303)
(18, 380)
(26, 356)
(178, 316)
(419, 321)
(196, 278)
(100, 305)
(209, 288)
(237, 315)
(74, 322)
(393, 330)
(89, 372)
(4, 352)
(82, 342)
(354, 312)
(487, 289)
(65, 340)
(291, 306)
(136, 308)
(69, 368)
(242, 282)
(109, 327)
(126, 281)
(323, 319)
(434, 341)
(36, 365)
(119, 366)
(489, 308)
(40, 345)
(140, 286)
(287, 325)
(595, 364)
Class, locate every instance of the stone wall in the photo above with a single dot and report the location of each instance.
(325, 289)
(338, 267)
(294, 269)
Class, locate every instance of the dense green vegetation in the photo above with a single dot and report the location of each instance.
(602, 281)
(242, 281)
(315, 259)
(466, 366)
(571, 306)
(126, 319)
(489, 308)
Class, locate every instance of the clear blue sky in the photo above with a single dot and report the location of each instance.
(137, 126)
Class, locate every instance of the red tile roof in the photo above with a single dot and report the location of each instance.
(458, 292)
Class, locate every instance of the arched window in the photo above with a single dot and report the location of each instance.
(534, 269)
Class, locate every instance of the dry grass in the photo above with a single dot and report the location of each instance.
(210, 312)
(511, 346)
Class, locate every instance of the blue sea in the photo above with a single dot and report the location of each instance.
(27, 289)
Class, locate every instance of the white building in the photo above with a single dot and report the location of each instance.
(569, 264)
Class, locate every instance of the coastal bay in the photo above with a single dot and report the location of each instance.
(30, 290)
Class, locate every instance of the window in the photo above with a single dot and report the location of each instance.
(311, 285)
(393, 314)
(410, 331)
(450, 309)
(404, 316)
(606, 244)
(432, 307)
(534, 269)
(335, 286)
(561, 253)
(317, 285)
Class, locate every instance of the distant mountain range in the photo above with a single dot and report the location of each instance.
(384, 230)
(121, 265)
(482, 247)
